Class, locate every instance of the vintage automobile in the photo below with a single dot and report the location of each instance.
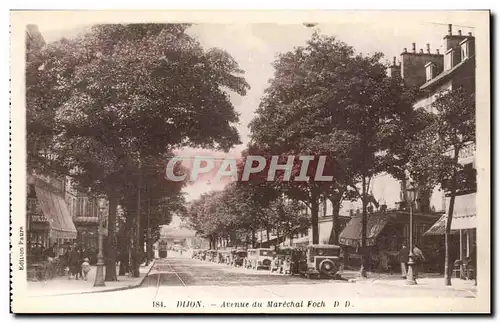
(203, 254)
(260, 258)
(239, 257)
(317, 261)
(282, 261)
(212, 255)
(223, 256)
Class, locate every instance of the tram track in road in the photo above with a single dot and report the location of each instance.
(159, 276)
(207, 280)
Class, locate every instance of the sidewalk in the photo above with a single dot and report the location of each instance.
(64, 286)
(427, 280)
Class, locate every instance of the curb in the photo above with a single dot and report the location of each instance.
(382, 282)
(104, 290)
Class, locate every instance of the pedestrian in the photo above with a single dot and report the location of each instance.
(418, 258)
(471, 264)
(403, 259)
(85, 268)
(74, 263)
(82, 255)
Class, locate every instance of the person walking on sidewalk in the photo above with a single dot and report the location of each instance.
(403, 259)
(74, 262)
(85, 268)
(418, 258)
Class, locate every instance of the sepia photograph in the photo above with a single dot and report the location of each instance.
(208, 162)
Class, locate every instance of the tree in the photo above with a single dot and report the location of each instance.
(122, 93)
(287, 217)
(455, 128)
(429, 149)
(325, 92)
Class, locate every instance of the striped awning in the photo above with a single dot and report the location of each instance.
(459, 222)
(54, 208)
(351, 235)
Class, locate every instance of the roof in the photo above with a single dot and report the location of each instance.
(448, 73)
(459, 222)
(375, 223)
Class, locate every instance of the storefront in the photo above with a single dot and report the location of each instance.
(385, 234)
(463, 232)
(48, 221)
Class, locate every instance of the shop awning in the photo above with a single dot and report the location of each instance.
(56, 211)
(351, 235)
(459, 222)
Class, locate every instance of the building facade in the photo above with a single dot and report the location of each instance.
(48, 220)
(432, 73)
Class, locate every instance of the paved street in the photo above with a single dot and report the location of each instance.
(179, 279)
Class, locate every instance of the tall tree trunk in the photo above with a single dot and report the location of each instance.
(364, 251)
(314, 220)
(149, 246)
(268, 235)
(335, 232)
(453, 190)
(254, 238)
(111, 251)
(124, 261)
(136, 263)
(130, 229)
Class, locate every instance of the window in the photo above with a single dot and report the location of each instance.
(448, 59)
(430, 69)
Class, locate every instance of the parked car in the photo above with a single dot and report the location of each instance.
(212, 255)
(317, 261)
(260, 258)
(239, 257)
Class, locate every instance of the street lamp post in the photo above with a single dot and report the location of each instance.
(410, 277)
(99, 277)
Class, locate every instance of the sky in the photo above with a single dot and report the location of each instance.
(255, 46)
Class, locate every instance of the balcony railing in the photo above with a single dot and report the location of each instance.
(33, 207)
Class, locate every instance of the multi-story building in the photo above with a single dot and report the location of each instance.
(459, 71)
(433, 73)
(84, 210)
(47, 215)
(388, 224)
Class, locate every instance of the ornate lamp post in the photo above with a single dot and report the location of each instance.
(410, 278)
(99, 277)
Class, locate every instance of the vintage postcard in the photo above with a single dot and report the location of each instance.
(250, 162)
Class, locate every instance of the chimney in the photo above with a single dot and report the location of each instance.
(459, 32)
(437, 51)
(405, 50)
(428, 48)
(470, 34)
(421, 51)
(414, 47)
(394, 70)
(449, 29)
